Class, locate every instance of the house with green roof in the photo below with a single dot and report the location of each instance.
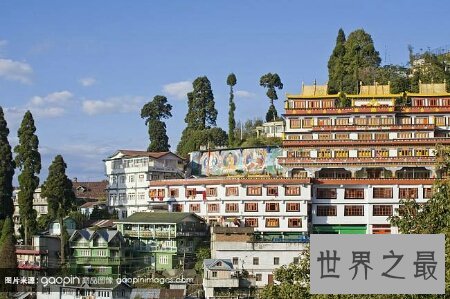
(162, 240)
(102, 252)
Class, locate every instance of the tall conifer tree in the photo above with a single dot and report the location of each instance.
(8, 257)
(271, 81)
(60, 196)
(336, 66)
(28, 161)
(154, 112)
(231, 81)
(7, 166)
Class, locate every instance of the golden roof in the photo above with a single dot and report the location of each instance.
(432, 88)
(375, 90)
(314, 90)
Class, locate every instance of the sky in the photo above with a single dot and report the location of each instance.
(86, 68)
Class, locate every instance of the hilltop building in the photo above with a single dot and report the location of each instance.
(128, 174)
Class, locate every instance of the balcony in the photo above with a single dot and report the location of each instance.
(106, 261)
(27, 265)
(380, 127)
(150, 234)
(301, 161)
(232, 282)
(369, 142)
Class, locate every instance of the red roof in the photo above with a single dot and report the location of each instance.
(90, 190)
(155, 155)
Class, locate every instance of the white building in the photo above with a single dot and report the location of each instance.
(129, 172)
(271, 129)
(40, 204)
(78, 290)
(272, 206)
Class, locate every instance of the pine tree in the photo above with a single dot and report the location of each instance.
(28, 161)
(271, 81)
(60, 196)
(154, 112)
(231, 81)
(336, 65)
(361, 61)
(7, 166)
(8, 257)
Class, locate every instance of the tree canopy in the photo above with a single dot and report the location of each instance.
(336, 66)
(7, 166)
(153, 112)
(271, 82)
(8, 257)
(231, 81)
(28, 161)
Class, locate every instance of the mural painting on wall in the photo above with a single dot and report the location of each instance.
(230, 162)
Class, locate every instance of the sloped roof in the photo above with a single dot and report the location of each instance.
(158, 217)
(89, 234)
(90, 204)
(90, 190)
(218, 264)
(157, 293)
(136, 153)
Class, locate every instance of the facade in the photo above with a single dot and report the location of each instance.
(54, 228)
(84, 290)
(88, 207)
(39, 204)
(163, 241)
(365, 157)
(253, 256)
(274, 206)
(102, 252)
(273, 129)
(219, 278)
(128, 173)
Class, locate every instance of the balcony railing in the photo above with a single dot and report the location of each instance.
(97, 260)
(150, 234)
(352, 142)
(378, 161)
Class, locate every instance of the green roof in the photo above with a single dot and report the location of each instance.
(158, 217)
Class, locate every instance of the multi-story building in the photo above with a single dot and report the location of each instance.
(273, 206)
(162, 240)
(102, 252)
(128, 173)
(39, 204)
(272, 129)
(364, 157)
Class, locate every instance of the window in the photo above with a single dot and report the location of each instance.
(341, 154)
(295, 123)
(251, 222)
(179, 208)
(272, 207)
(255, 260)
(307, 136)
(354, 193)
(231, 191)
(381, 136)
(231, 207)
(439, 120)
(164, 259)
(251, 207)
(422, 135)
(421, 120)
(235, 261)
(421, 152)
(141, 178)
(427, 193)
(255, 191)
(131, 196)
(342, 136)
(353, 210)
(404, 135)
(407, 193)
(294, 222)
(323, 121)
(365, 136)
(211, 192)
(323, 210)
(258, 277)
(291, 190)
(324, 153)
(272, 222)
(341, 121)
(214, 274)
(405, 120)
(276, 260)
(433, 102)
(404, 152)
(213, 208)
(387, 120)
(194, 208)
(130, 178)
(364, 153)
(191, 192)
(381, 229)
(293, 207)
(296, 260)
(382, 153)
(325, 137)
(272, 191)
(382, 210)
(173, 193)
(122, 179)
(326, 193)
(307, 123)
(382, 192)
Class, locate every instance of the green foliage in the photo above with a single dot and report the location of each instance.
(79, 218)
(8, 258)
(98, 214)
(7, 166)
(262, 141)
(430, 68)
(60, 196)
(396, 75)
(28, 160)
(202, 113)
(201, 254)
(231, 81)
(43, 221)
(154, 112)
(343, 101)
(191, 140)
(271, 81)
(336, 65)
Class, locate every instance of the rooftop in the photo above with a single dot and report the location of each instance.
(90, 190)
(137, 153)
(158, 217)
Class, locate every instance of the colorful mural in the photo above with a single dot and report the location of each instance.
(235, 161)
